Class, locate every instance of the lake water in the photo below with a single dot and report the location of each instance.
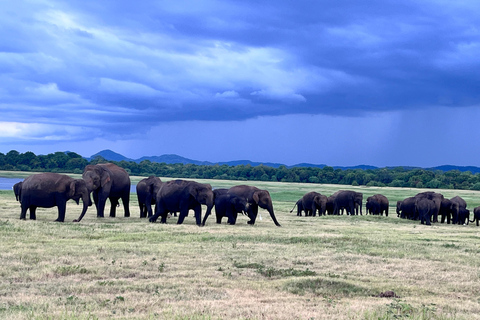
(7, 184)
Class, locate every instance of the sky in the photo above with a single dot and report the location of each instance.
(342, 83)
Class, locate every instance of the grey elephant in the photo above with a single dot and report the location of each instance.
(255, 198)
(229, 206)
(458, 210)
(17, 190)
(182, 196)
(425, 208)
(476, 215)
(446, 211)
(377, 205)
(311, 202)
(406, 209)
(437, 200)
(108, 181)
(47, 190)
(348, 200)
(146, 194)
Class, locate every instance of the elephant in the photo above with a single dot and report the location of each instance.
(310, 203)
(446, 210)
(146, 194)
(330, 204)
(47, 190)
(229, 206)
(377, 204)
(300, 208)
(463, 216)
(181, 196)
(437, 200)
(458, 208)
(107, 180)
(406, 209)
(476, 215)
(348, 200)
(17, 189)
(425, 208)
(255, 198)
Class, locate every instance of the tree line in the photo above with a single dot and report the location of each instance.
(71, 162)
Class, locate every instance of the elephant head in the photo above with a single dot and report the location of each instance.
(255, 197)
(203, 193)
(263, 200)
(78, 190)
(96, 176)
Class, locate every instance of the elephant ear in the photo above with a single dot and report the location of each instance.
(105, 178)
(71, 192)
(256, 196)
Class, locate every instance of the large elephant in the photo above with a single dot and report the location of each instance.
(17, 190)
(406, 209)
(108, 181)
(47, 190)
(255, 198)
(311, 202)
(476, 215)
(458, 209)
(377, 204)
(229, 206)
(348, 200)
(146, 194)
(437, 200)
(181, 196)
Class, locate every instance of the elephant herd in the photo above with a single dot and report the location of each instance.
(428, 206)
(425, 206)
(109, 181)
(351, 201)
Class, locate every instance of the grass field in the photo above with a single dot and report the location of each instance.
(331, 267)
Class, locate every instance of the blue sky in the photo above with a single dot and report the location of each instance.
(342, 82)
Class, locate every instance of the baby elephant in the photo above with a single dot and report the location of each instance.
(47, 190)
(229, 206)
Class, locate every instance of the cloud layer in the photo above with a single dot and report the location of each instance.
(117, 69)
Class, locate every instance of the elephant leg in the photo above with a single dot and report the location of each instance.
(23, 213)
(126, 205)
(252, 214)
(234, 217)
(101, 206)
(113, 207)
(62, 207)
(33, 215)
(183, 214)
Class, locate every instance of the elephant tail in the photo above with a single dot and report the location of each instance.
(293, 207)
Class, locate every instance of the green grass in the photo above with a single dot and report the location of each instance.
(329, 267)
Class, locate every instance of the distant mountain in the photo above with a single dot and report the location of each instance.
(445, 168)
(173, 158)
(110, 155)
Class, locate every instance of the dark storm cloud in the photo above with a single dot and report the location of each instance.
(119, 63)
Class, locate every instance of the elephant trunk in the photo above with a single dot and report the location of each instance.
(87, 202)
(209, 203)
(272, 215)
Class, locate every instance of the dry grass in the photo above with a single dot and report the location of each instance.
(310, 268)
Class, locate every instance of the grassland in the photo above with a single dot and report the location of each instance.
(310, 268)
